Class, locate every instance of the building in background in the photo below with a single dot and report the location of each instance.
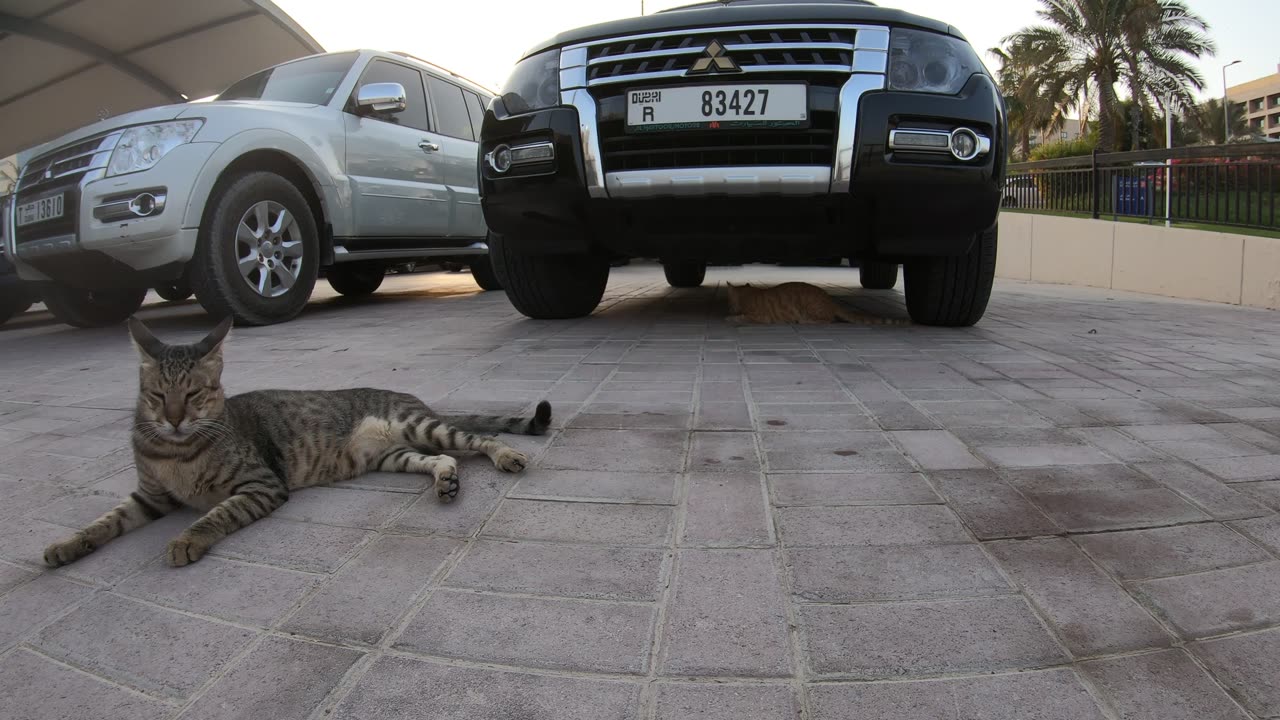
(1071, 130)
(1261, 101)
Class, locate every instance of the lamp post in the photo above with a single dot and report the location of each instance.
(1226, 104)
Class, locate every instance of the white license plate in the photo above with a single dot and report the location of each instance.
(49, 208)
(711, 106)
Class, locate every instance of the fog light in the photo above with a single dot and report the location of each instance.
(500, 159)
(964, 144)
(143, 205)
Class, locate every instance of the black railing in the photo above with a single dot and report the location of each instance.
(1236, 185)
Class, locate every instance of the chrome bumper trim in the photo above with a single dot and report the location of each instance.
(705, 182)
(932, 141)
(850, 95)
(589, 137)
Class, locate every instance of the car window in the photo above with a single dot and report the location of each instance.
(475, 106)
(451, 109)
(414, 114)
(310, 80)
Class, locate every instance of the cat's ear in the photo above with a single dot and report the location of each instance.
(213, 341)
(148, 345)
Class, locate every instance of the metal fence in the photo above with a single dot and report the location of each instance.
(1237, 185)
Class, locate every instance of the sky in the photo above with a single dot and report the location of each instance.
(482, 39)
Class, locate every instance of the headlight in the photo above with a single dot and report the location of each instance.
(533, 84)
(142, 147)
(926, 62)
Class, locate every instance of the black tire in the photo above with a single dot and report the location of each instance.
(952, 291)
(685, 274)
(175, 291)
(549, 287)
(215, 272)
(356, 279)
(92, 308)
(482, 272)
(877, 274)
(14, 300)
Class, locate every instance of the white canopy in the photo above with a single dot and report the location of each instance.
(67, 63)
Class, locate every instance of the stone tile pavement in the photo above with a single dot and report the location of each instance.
(1067, 512)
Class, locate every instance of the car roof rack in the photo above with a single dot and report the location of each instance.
(441, 68)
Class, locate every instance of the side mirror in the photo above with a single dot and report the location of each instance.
(381, 98)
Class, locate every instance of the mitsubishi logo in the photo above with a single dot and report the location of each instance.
(713, 60)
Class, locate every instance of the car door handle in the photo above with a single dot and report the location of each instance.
(428, 146)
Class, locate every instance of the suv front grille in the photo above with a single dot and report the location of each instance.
(720, 148)
(72, 160)
(754, 49)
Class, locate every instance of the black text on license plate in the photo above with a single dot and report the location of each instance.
(50, 208)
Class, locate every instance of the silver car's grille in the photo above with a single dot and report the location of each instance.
(68, 160)
(788, 48)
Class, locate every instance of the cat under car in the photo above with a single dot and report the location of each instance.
(237, 458)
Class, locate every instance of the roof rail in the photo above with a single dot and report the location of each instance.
(441, 68)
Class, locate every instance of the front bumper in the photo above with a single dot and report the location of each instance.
(867, 200)
(98, 243)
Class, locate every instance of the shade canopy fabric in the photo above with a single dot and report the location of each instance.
(68, 63)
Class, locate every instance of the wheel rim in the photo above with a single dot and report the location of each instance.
(269, 248)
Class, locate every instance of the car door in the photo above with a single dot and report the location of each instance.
(459, 148)
(396, 164)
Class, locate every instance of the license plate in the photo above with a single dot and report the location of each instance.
(718, 106)
(49, 208)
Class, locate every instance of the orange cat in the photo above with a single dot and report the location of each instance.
(794, 302)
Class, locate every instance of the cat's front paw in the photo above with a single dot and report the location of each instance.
(447, 481)
(70, 550)
(510, 460)
(185, 550)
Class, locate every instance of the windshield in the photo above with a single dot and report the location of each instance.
(311, 80)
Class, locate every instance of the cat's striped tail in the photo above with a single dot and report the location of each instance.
(857, 318)
(514, 424)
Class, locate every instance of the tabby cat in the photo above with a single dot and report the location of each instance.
(794, 302)
(237, 458)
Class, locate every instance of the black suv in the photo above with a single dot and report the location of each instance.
(748, 131)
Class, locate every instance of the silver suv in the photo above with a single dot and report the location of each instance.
(341, 164)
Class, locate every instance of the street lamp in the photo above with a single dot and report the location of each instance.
(1226, 118)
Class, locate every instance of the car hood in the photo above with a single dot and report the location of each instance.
(161, 113)
(782, 12)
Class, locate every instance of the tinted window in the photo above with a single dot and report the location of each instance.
(312, 80)
(415, 113)
(451, 109)
(476, 108)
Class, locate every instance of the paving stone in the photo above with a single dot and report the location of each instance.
(990, 507)
(631, 416)
(553, 633)
(723, 452)
(641, 525)
(1214, 497)
(1160, 686)
(726, 510)
(1163, 552)
(1118, 445)
(1265, 530)
(1078, 477)
(1223, 447)
(851, 489)
(296, 545)
(372, 591)
(913, 639)
(845, 452)
(888, 525)
(1219, 601)
(789, 418)
(240, 592)
(727, 616)
(280, 679)
(12, 576)
(76, 511)
(1246, 665)
(647, 488)
(600, 573)
(402, 689)
(1267, 493)
(1042, 455)
(1094, 510)
(623, 450)
(937, 450)
(1092, 614)
(1045, 695)
(143, 646)
(724, 701)
(32, 605)
(723, 416)
(1258, 467)
(344, 507)
(482, 490)
(983, 414)
(1176, 432)
(903, 572)
(898, 415)
(63, 693)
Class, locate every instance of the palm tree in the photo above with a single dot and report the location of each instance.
(1030, 110)
(1088, 46)
(1207, 119)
